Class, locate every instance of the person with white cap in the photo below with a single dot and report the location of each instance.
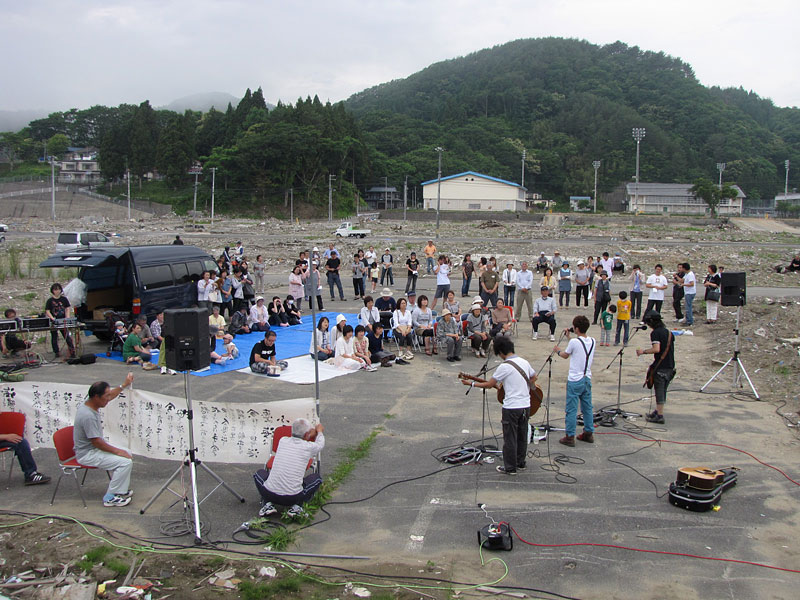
(582, 283)
(386, 305)
(557, 261)
(478, 329)
(336, 332)
(449, 332)
(387, 260)
(259, 316)
(541, 264)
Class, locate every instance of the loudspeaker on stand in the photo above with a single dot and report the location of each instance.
(186, 339)
(734, 289)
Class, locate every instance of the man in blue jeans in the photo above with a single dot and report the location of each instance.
(22, 449)
(286, 483)
(580, 352)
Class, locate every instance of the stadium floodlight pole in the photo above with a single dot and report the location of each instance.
(330, 196)
(596, 165)
(786, 184)
(721, 168)
(522, 179)
(213, 185)
(638, 135)
(439, 149)
(53, 190)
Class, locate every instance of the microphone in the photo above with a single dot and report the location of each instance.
(641, 328)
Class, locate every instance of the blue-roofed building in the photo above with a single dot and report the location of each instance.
(474, 191)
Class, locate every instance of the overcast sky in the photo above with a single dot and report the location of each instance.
(58, 54)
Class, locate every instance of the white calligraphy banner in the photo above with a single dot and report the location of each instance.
(155, 425)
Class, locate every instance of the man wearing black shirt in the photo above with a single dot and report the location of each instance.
(376, 351)
(332, 267)
(678, 292)
(663, 350)
(794, 266)
(412, 266)
(263, 354)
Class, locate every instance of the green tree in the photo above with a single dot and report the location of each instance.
(57, 145)
(712, 194)
(174, 154)
(16, 146)
(143, 141)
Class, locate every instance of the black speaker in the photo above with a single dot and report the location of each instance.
(186, 339)
(734, 289)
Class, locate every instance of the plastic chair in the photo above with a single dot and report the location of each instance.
(277, 435)
(513, 319)
(65, 448)
(11, 422)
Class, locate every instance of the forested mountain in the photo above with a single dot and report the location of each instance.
(569, 102)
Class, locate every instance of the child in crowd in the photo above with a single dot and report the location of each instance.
(361, 345)
(231, 351)
(374, 273)
(623, 318)
(606, 320)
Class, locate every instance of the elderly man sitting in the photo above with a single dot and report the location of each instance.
(286, 484)
(544, 311)
(449, 330)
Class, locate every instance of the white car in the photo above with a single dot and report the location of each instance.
(3, 227)
(76, 240)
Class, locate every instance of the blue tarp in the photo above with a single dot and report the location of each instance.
(291, 341)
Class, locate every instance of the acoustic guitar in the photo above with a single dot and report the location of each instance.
(700, 478)
(536, 392)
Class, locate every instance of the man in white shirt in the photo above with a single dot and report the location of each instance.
(690, 291)
(518, 378)
(544, 311)
(286, 484)
(580, 352)
(656, 283)
(524, 284)
(608, 265)
(509, 285)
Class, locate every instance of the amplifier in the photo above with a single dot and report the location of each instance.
(9, 325)
(36, 323)
(71, 322)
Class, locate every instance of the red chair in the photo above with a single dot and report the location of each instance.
(65, 448)
(513, 320)
(11, 422)
(277, 435)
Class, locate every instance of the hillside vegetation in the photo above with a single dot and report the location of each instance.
(566, 102)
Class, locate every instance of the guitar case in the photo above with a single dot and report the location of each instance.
(696, 500)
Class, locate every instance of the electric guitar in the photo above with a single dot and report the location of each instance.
(536, 392)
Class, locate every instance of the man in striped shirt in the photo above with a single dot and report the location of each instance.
(285, 484)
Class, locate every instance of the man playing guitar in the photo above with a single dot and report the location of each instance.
(517, 378)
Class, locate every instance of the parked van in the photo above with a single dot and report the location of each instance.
(75, 240)
(132, 280)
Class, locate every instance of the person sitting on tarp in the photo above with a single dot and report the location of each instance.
(286, 484)
(263, 357)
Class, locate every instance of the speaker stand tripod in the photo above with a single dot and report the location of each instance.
(738, 367)
(191, 460)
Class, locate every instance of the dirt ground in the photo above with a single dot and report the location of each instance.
(769, 351)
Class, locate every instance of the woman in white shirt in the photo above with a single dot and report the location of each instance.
(321, 340)
(402, 325)
(204, 287)
(346, 352)
(369, 315)
(422, 321)
(259, 317)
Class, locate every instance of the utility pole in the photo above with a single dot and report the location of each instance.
(638, 135)
(439, 149)
(128, 177)
(213, 185)
(291, 205)
(53, 191)
(720, 168)
(523, 169)
(405, 198)
(194, 211)
(330, 197)
(386, 193)
(596, 165)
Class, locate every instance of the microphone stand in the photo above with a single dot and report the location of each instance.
(546, 427)
(484, 448)
(615, 412)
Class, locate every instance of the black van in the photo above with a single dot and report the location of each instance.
(132, 280)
